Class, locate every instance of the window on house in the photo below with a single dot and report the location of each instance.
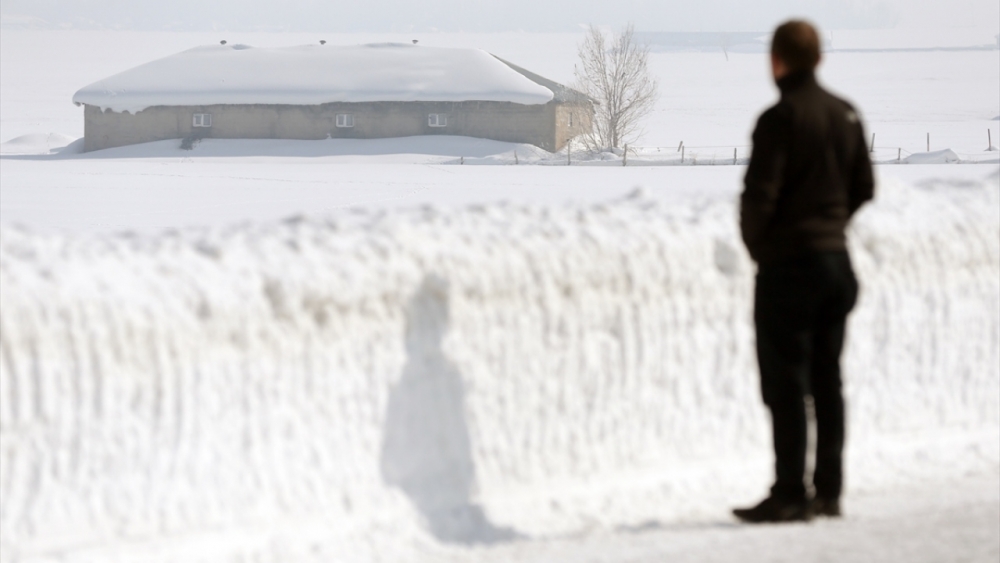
(202, 120)
(345, 120)
(437, 120)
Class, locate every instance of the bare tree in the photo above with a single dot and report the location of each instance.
(613, 71)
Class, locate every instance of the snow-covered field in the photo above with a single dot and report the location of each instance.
(329, 351)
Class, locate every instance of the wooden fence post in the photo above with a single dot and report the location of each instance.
(928, 142)
(734, 155)
(873, 143)
(625, 156)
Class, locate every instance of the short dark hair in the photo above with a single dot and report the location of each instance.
(796, 43)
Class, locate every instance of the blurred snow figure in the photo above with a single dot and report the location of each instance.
(425, 448)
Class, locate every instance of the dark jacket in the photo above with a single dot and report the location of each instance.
(808, 174)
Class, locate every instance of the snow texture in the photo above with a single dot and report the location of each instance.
(313, 74)
(37, 143)
(477, 374)
(946, 156)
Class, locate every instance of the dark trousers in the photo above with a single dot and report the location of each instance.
(800, 310)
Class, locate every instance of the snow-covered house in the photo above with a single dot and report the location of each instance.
(321, 91)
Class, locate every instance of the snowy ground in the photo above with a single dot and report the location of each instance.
(897, 524)
(179, 327)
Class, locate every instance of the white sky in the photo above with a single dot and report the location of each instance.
(495, 15)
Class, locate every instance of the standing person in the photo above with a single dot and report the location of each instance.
(808, 174)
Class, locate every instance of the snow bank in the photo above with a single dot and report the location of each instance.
(417, 148)
(476, 374)
(313, 74)
(945, 156)
(37, 143)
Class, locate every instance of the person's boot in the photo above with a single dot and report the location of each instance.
(822, 506)
(773, 509)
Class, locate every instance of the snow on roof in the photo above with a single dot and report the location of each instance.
(313, 74)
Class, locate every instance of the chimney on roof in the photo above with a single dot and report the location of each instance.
(415, 41)
(223, 42)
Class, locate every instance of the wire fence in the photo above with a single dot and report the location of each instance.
(681, 155)
(722, 155)
(715, 155)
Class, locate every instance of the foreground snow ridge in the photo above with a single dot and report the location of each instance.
(291, 391)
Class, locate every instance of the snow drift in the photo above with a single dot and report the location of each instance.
(475, 374)
(945, 156)
(37, 143)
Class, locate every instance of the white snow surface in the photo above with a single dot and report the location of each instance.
(313, 74)
(945, 156)
(36, 144)
(487, 373)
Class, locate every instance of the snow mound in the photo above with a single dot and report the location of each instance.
(514, 154)
(313, 74)
(37, 143)
(934, 157)
(262, 392)
(23, 22)
(422, 149)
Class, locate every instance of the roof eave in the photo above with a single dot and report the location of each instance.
(560, 92)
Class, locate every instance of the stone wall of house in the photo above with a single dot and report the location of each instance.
(546, 126)
(572, 119)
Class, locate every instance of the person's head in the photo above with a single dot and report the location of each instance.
(794, 47)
